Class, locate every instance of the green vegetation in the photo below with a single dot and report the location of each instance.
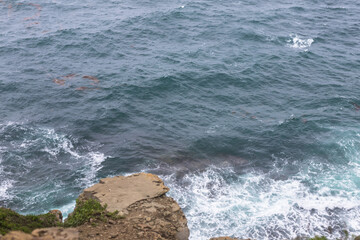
(12, 221)
(89, 209)
(318, 238)
(84, 212)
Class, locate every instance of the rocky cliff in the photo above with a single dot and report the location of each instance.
(133, 207)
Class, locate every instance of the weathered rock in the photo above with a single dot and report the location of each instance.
(44, 234)
(57, 214)
(17, 235)
(120, 192)
(150, 214)
(56, 234)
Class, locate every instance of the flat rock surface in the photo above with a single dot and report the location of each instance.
(44, 234)
(120, 192)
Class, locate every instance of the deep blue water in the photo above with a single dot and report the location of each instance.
(249, 110)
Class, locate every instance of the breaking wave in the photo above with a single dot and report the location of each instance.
(297, 42)
(320, 199)
(36, 165)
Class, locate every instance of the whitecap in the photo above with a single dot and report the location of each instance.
(56, 150)
(298, 43)
(5, 185)
(256, 206)
(95, 164)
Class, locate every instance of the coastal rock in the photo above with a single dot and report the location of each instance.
(120, 192)
(56, 234)
(58, 215)
(149, 213)
(17, 235)
(144, 212)
(44, 234)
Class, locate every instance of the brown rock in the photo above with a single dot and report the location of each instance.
(114, 235)
(44, 234)
(57, 214)
(16, 235)
(120, 192)
(56, 234)
(149, 213)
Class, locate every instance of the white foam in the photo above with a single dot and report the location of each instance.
(67, 209)
(297, 42)
(257, 206)
(96, 158)
(55, 143)
(5, 185)
(57, 148)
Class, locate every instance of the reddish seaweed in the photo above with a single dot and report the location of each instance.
(357, 107)
(62, 80)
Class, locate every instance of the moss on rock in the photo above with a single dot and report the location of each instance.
(318, 238)
(89, 210)
(13, 221)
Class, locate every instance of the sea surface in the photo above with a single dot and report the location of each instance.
(249, 110)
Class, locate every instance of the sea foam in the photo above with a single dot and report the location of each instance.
(298, 43)
(259, 207)
(321, 198)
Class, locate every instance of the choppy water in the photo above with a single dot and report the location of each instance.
(249, 110)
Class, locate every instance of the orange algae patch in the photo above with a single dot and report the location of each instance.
(37, 14)
(59, 81)
(62, 80)
(94, 79)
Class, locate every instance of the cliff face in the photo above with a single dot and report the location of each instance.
(136, 208)
(141, 199)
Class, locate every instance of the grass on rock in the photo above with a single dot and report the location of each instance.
(12, 221)
(85, 211)
(89, 210)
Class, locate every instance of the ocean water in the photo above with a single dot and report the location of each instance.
(249, 110)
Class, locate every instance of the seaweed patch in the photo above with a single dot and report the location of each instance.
(62, 80)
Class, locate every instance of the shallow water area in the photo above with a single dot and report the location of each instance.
(248, 110)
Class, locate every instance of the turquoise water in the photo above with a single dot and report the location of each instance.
(249, 110)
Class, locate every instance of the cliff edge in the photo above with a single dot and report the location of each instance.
(132, 207)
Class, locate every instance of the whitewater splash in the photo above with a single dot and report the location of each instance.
(321, 198)
(48, 160)
(258, 207)
(298, 43)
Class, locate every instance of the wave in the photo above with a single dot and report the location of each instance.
(321, 198)
(37, 165)
(298, 43)
(259, 207)
(5, 185)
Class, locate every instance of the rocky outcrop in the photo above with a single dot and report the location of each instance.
(120, 192)
(145, 213)
(44, 234)
(140, 198)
